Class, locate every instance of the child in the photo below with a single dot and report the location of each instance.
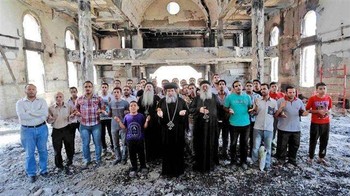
(135, 137)
(319, 105)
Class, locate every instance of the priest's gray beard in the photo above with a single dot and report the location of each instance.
(205, 95)
(171, 99)
(147, 99)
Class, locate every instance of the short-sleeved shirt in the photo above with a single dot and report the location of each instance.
(319, 103)
(61, 114)
(106, 99)
(239, 104)
(134, 127)
(265, 114)
(277, 95)
(88, 109)
(72, 104)
(253, 97)
(292, 122)
(130, 98)
(118, 109)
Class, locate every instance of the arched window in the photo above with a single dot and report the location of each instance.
(307, 68)
(35, 66)
(274, 36)
(308, 26)
(308, 53)
(32, 30)
(72, 68)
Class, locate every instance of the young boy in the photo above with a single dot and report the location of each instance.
(319, 105)
(134, 123)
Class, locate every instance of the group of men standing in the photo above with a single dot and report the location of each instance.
(161, 125)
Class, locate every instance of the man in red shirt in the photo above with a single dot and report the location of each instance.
(319, 105)
(274, 94)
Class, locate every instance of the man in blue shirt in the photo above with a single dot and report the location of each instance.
(237, 104)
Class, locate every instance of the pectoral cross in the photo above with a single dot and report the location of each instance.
(170, 125)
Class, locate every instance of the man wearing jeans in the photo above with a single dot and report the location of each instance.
(265, 108)
(237, 104)
(89, 107)
(32, 113)
(118, 108)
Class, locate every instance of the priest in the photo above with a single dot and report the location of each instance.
(204, 109)
(147, 106)
(173, 113)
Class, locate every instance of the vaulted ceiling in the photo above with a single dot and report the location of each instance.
(109, 15)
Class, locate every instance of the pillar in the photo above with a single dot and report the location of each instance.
(257, 66)
(85, 41)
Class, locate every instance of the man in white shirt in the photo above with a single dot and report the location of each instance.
(127, 96)
(32, 113)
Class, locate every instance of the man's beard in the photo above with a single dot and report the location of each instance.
(147, 99)
(171, 99)
(205, 95)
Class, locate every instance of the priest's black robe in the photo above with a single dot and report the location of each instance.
(152, 132)
(204, 133)
(173, 140)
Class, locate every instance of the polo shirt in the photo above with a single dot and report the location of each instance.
(292, 122)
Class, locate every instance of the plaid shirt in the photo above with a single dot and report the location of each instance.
(88, 109)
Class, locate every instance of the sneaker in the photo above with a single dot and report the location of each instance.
(115, 162)
(32, 179)
(132, 174)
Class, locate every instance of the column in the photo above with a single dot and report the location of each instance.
(85, 41)
(257, 66)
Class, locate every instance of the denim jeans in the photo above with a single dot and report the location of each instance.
(32, 138)
(119, 142)
(85, 132)
(258, 136)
